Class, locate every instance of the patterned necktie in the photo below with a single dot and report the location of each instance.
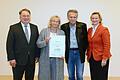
(26, 33)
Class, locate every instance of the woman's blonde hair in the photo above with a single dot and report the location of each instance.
(49, 23)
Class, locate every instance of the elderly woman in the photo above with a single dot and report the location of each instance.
(50, 68)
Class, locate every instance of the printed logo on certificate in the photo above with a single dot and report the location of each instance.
(57, 46)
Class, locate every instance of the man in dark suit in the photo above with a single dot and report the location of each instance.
(21, 47)
(76, 44)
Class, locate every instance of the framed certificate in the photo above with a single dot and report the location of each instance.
(57, 46)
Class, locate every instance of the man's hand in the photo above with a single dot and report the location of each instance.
(47, 40)
(12, 63)
(36, 59)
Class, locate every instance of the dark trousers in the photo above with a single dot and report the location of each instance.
(97, 71)
(28, 69)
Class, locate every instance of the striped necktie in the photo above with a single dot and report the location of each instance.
(26, 33)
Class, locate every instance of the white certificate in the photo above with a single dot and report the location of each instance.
(57, 46)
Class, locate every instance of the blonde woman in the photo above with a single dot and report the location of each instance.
(50, 68)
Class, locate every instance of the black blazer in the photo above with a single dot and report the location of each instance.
(82, 39)
(17, 46)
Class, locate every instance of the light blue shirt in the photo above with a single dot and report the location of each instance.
(73, 40)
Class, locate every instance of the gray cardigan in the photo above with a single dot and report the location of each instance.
(44, 65)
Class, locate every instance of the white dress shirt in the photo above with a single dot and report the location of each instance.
(28, 27)
(94, 29)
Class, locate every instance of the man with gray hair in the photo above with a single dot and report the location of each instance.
(76, 45)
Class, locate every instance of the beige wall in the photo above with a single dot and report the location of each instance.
(43, 9)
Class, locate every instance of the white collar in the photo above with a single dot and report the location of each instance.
(24, 24)
(94, 27)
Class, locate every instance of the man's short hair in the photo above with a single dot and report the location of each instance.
(25, 9)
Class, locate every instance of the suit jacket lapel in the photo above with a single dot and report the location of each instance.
(22, 31)
(78, 31)
(68, 33)
(31, 29)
